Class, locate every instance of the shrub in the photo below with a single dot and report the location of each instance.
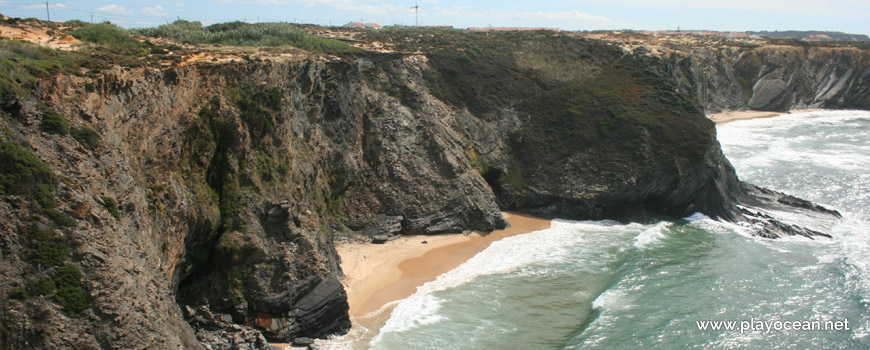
(59, 218)
(42, 194)
(52, 250)
(106, 34)
(44, 286)
(73, 300)
(75, 23)
(112, 206)
(18, 293)
(68, 276)
(70, 293)
(245, 34)
(54, 123)
(87, 137)
(22, 63)
(21, 171)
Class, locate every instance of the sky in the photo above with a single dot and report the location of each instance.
(849, 16)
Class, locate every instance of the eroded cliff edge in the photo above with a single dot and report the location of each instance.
(231, 179)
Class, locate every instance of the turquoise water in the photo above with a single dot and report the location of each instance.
(606, 285)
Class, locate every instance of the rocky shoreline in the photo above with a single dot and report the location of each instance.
(232, 181)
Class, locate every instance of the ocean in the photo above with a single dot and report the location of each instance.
(692, 283)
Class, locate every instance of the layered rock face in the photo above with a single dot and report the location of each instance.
(774, 78)
(233, 180)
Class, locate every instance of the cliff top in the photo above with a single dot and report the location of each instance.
(185, 42)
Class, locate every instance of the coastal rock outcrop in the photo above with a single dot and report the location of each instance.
(200, 203)
(773, 77)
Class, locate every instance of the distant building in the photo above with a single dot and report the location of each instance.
(510, 29)
(355, 25)
(756, 37)
(373, 26)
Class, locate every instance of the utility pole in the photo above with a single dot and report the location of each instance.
(416, 9)
(92, 18)
(47, 14)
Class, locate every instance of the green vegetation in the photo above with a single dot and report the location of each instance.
(51, 250)
(54, 123)
(246, 34)
(212, 134)
(21, 171)
(259, 108)
(70, 293)
(112, 206)
(270, 169)
(481, 163)
(334, 197)
(87, 137)
(59, 218)
(107, 34)
(44, 286)
(22, 63)
(42, 194)
(570, 94)
(18, 294)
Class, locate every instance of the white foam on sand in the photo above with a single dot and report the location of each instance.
(504, 256)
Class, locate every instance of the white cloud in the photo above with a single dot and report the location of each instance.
(366, 7)
(148, 23)
(154, 11)
(833, 8)
(376, 10)
(563, 19)
(113, 9)
(180, 4)
(41, 6)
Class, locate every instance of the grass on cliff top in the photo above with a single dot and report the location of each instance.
(22, 63)
(107, 34)
(245, 34)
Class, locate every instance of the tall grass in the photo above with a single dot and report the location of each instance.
(22, 63)
(106, 34)
(245, 34)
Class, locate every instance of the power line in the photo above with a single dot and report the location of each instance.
(416, 9)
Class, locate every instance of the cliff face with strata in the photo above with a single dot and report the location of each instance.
(234, 180)
(773, 78)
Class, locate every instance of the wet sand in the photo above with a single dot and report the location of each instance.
(379, 274)
(730, 116)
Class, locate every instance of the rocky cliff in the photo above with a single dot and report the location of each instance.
(199, 204)
(774, 77)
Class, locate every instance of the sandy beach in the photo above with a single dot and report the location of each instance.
(730, 116)
(377, 274)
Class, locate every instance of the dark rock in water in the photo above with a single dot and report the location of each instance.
(424, 242)
(236, 178)
(303, 341)
(772, 214)
(805, 204)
